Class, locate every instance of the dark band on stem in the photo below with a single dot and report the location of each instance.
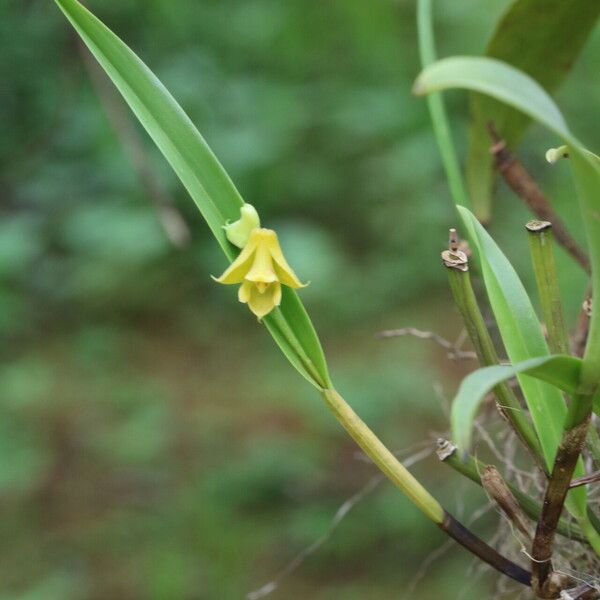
(471, 542)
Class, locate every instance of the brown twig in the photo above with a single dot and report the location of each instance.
(523, 184)
(170, 218)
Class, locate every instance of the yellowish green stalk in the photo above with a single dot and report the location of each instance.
(423, 500)
(382, 457)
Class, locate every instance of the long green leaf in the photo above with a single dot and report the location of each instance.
(541, 38)
(497, 79)
(561, 371)
(198, 169)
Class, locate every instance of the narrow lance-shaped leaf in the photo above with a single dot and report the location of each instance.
(541, 38)
(200, 172)
(521, 333)
(561, 371)
(522, 336)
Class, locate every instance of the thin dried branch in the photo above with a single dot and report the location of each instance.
(454, 351)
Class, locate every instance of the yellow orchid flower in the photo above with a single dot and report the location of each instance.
(261, 268)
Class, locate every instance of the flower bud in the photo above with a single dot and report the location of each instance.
(238, 232)
(553, 155)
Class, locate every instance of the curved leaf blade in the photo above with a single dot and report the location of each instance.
(198, 169)
(521, 333)
(541, 38)
(561, 371)
(497, 79)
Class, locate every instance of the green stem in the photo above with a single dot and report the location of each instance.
(437, 109)
(508, 403)
(544, 266)
(578, 416)
(541, 240)
(382, 457)
(408, 484)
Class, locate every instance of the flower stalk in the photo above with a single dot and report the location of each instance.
(414, 490)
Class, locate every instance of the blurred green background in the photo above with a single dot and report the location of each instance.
(153, 442)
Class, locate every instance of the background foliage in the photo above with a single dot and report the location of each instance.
(153, 443)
